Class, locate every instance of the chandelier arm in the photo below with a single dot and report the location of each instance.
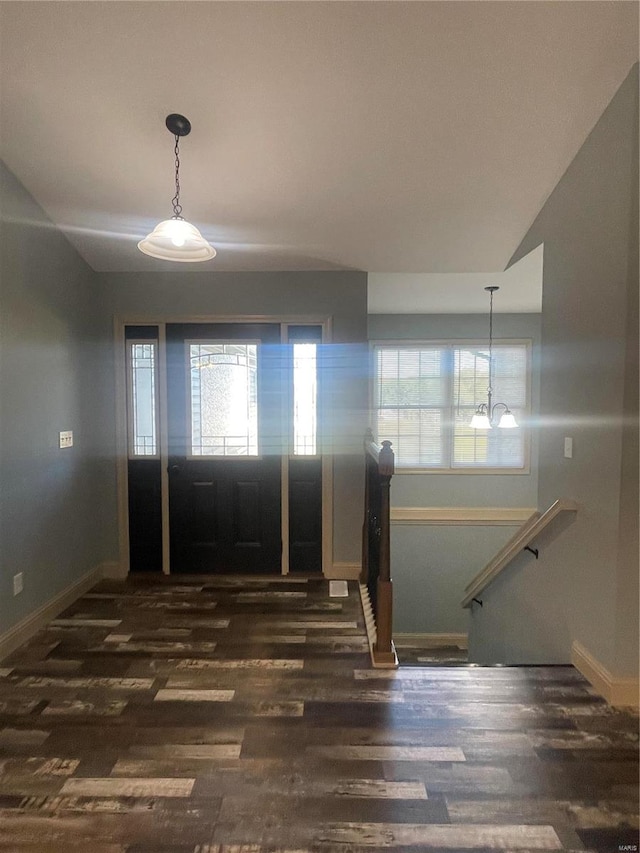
(492, 411)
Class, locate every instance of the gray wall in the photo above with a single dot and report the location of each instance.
(628, 593)
(432, 564)
(339, 295)
(56, 519)
(587, 575)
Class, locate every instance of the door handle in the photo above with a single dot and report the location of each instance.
(174, 469)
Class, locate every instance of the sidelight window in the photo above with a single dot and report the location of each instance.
(305, 399)
(142, 409)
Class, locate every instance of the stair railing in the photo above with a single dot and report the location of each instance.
(521, 540)
(376, 555)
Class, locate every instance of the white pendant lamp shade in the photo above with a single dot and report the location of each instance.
(507, 421)
(479, 421)
(177, 240)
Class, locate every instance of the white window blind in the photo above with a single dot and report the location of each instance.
(425, 395)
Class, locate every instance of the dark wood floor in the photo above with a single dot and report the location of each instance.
(226, 715)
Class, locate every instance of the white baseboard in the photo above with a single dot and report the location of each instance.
(344, 571)
(428, 641)
(25, 629)
(113, 570)
(621, 692)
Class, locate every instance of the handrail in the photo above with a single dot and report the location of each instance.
(376, 558)
(520, 540)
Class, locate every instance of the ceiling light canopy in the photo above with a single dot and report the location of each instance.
(486, 414)
(176, 239)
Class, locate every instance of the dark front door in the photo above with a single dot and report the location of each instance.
(225, 444)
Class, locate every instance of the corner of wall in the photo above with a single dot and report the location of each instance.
(113, 570)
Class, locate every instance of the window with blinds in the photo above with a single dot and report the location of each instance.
(425, 396)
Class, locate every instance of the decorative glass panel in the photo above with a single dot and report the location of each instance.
(224, 399)
(142, 415)
(305, 392)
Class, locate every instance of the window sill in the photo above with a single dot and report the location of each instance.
(487, 472)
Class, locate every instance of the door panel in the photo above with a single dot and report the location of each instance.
(305, 515)
(145, 516)
(224, 509)
(204, 513)
(305, 466)
(248, 503)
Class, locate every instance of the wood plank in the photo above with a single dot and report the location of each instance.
(137, 742)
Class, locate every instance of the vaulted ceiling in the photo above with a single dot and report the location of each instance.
(404, 137)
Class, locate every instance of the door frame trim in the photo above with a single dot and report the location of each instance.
(122, 478)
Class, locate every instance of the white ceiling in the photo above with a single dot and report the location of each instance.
(393, 137)
(459, 293)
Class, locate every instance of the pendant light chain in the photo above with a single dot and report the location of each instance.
(175, 201)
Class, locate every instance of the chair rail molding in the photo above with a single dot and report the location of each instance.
(469, 515)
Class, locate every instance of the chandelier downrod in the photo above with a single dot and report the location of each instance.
(485, 414)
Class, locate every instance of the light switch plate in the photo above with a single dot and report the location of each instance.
(17, 584)
(66, 438)
(568, 448)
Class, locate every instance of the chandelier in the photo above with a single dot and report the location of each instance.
(486, 415)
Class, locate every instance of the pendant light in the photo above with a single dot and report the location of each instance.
(486, 414)
(176, 239)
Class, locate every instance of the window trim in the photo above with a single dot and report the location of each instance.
(459, 343)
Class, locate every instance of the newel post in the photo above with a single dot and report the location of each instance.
(383, 650)
(364, 572)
